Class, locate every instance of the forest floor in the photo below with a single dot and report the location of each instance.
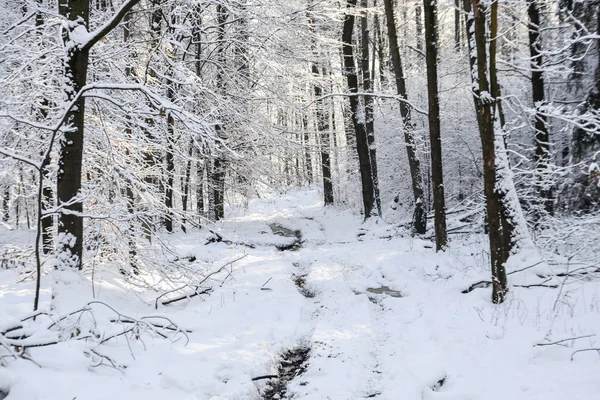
(346, 310)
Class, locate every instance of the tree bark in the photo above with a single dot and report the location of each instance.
(457, 25)
(185, 184)
(169, 156)
(431, 46)
(6, 205)
(368, 104)
(76, 59)
(200, 181)
(322, 117)
(47, 193)
(169, 167)
(70, 220)
(219, 166)
(306, 147)
(485, 109)
(129, 195)
(356, 110)
(542, 137)
(323, 128)
(420, 214)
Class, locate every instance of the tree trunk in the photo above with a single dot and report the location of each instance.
(542, 137)
(200, 180)
(323, 128)
(368, 104)
(431, 46)
(6, 205)
(169, 156)
(457, 25)
(219, 173)
(151, 180)
(322, 118)
(129, 195)
(47, 194)
(420, 215)
(485, 109)
(357, 111)
(70, 220)
(219, 166)
(169, 168)
(185, 184)
(210, 192)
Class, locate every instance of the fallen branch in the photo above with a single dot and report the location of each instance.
(582, 350)
(537, 285)
(197, 286)
(526, 268)
(171, 327)
(477, 285)
(219, 238)
(258, 378)
(186, 296)
(563, 340)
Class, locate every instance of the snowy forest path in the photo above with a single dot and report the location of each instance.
(351, 330)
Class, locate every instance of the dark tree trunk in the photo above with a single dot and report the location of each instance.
(431, 46)
(70, 220)
(169, 156)
(362, 147)
(219, 166)
(457, 25)
(200, 170)
(6, 205)
(506, 216)
(185, 184)
(306, 147)
(47, 193)
(542, 137)
(200, 189)
(485, 110)
(323, 128)
(420, 215)
(169, 172)
(210, 192)
(322, 118)
(368, 104)
(493, 71)
(219, 188)
(471, 47)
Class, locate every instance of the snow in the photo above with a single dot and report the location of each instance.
(363, 345)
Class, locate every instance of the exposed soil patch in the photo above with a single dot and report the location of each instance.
(293, 363)
(300, 282)
(385, 290)
(286, 232)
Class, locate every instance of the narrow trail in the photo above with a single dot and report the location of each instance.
(348, 334)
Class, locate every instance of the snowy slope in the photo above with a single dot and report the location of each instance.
(429, 341)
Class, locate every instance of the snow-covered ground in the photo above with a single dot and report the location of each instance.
(427, 341)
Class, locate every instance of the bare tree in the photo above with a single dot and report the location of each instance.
(357, 110)
(431, 48)
(420, 214)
